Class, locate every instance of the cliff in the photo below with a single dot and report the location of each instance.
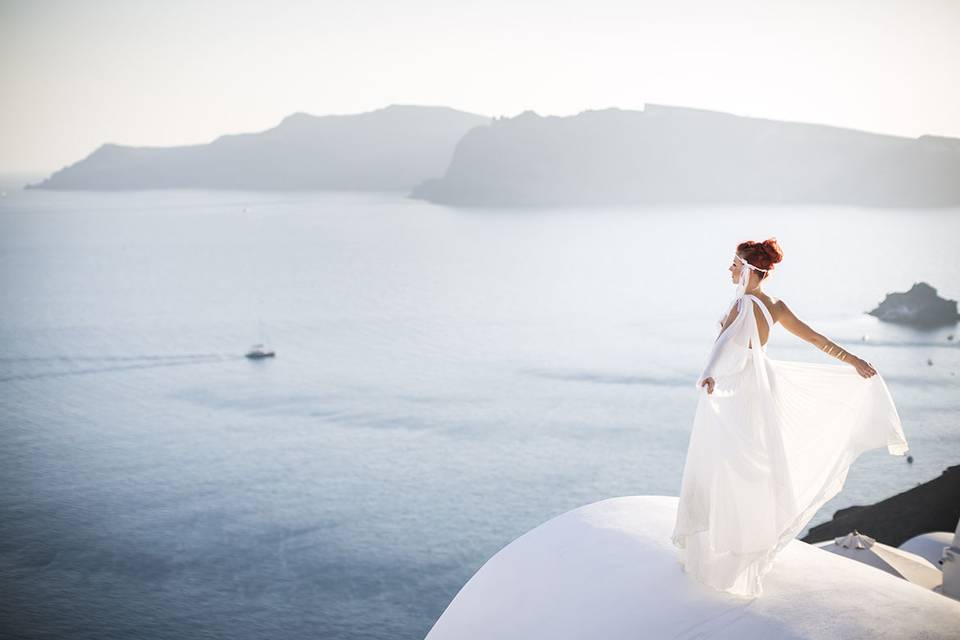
(667, 154)
(931, 506)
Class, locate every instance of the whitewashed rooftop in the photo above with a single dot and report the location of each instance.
(607, 570)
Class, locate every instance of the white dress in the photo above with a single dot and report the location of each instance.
(768, 448)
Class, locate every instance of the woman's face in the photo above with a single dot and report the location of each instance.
(735, 268)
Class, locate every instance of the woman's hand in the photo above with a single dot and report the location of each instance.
(708, 383)
(863, 367)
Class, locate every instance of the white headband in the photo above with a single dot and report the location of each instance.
(745, 263)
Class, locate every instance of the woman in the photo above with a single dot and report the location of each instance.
(772, 440)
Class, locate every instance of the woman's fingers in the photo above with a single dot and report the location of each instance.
(865, 369)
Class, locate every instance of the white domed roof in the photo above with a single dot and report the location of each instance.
(608, 570)
(929, 545)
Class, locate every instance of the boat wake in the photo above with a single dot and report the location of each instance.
(86, 365)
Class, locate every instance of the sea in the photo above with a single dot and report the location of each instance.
(444, 380)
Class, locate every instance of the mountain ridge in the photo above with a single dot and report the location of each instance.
(394, 147)
(668, 154)
(661, 154)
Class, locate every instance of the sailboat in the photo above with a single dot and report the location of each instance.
(259, 350)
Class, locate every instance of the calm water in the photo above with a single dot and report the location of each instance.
(445, 380)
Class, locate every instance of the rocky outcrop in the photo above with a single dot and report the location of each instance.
(920, 306)
(931, 506)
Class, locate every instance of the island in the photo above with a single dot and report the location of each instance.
(920, 307)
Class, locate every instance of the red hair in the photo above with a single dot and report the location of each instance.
(761, 254)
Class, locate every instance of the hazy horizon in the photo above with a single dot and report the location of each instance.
(78, 76)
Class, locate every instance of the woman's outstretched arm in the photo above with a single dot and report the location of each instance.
(799, 328)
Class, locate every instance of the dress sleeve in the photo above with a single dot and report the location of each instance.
(730, 347)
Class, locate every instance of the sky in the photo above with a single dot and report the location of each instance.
(77, 74)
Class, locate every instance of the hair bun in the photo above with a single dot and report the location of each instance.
(772, 250)
(761, 254)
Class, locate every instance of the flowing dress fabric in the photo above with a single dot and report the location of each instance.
(768, 448)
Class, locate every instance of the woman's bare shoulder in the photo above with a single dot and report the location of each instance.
(775, 305)
(779, 307)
